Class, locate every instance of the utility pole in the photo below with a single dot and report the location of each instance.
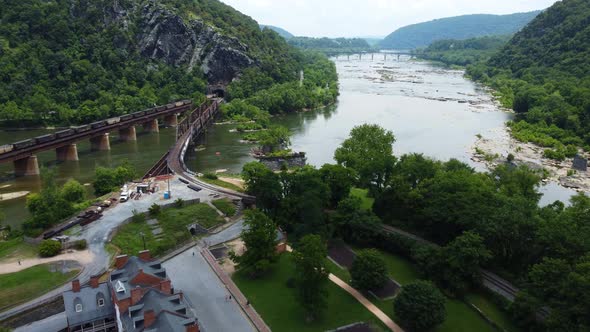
(143, 238)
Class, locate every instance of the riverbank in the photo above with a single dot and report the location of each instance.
(494, 151)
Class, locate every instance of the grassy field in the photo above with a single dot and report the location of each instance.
(16, 249)
(222, 184)
(492, 310)
(226, 206)
(30, 283)
(278, 307)
(172, 222)
(363, 194)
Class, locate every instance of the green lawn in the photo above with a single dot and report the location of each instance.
(16, 249)
(492, 310)
(460, 317)
(278, 307)
(338, 271)
(363, 194)
(173, 222)
(222, 184)
(21, 286)
(226, 206)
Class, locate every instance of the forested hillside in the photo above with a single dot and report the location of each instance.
(282, 32)
(459, 27)
(73, 61)
(543, 73)
(463, 52)
(331, 46)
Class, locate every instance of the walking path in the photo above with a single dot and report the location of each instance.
(364, 301)
(82, 257)
(236, 293)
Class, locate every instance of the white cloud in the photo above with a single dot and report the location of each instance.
(335, 18)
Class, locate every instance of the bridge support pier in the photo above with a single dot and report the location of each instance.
(67, 153)
(151, 126)
(128, 134)
(171, 120)
(100, 143)
(27, 166)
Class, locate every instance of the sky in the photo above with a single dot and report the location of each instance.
(363, 18)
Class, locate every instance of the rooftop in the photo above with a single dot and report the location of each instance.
(88, 304)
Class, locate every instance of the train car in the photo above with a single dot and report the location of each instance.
(150, 110)
(138, 114)
(24, 144)
(113, 121)
(82, 129)
(44, 138)
(126, 117)
(169, 106)
(64, 133)
(6, 148)
(98, 124)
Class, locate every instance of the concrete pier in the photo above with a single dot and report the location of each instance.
(151, 126)
(128, 134)
(27, 166)
(100, 143)
(67, 153)
(171, 120)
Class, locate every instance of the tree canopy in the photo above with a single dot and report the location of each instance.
(420, 306)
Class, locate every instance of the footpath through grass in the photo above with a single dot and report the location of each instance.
(222, 184)
(279, 308)
(169, 231)
(27, 284)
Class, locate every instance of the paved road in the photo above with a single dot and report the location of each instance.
(228, 234)
(97, 234)
(205, 292)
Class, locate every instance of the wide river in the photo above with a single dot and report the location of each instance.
(430, 110)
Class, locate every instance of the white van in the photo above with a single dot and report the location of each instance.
(124, 197)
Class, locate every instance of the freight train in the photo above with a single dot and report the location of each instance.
(81, 129)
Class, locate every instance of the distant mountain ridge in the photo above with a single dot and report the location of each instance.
(458, 27)
(282, 32)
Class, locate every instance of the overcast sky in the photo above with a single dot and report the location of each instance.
(349, 18)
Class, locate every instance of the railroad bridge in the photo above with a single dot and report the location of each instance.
(23, 153)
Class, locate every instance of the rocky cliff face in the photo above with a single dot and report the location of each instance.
(164, 36)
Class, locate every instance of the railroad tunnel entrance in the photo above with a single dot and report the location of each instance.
(219, 93)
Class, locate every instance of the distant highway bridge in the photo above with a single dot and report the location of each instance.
(23, 153)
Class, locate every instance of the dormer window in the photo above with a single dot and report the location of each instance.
(101, 302)
(79, 307)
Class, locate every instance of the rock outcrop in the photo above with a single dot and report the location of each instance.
(164, 36)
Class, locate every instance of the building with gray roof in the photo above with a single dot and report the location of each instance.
(90, 308)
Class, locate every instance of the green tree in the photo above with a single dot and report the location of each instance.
(48, 207)
(311, 275)
(260, 239)
(420, 306)
(340, 181)
(368, 151)
(72, 191)
(49, 248)
(264, 184)
(368, 271)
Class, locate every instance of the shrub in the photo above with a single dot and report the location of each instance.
(210, 176)
(49, 248)
(179, 203)
(80, 244)
(155, 210)
(368, 271)
(420, 306)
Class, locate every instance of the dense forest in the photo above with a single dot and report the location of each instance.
(332, 46)
(459, 27)
(282, 32)
(453, 52)
(490, 220)
(74, 61)
(543, 73)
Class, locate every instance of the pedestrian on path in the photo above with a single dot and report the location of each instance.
(19, 262)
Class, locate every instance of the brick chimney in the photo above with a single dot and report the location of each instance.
(76, 286)
(149, 318)
(94, 281)
(145, 255)
(166, 286)
(120, 261)
(136, 295)
(193, 327)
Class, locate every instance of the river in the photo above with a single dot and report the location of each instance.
(429, 109)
